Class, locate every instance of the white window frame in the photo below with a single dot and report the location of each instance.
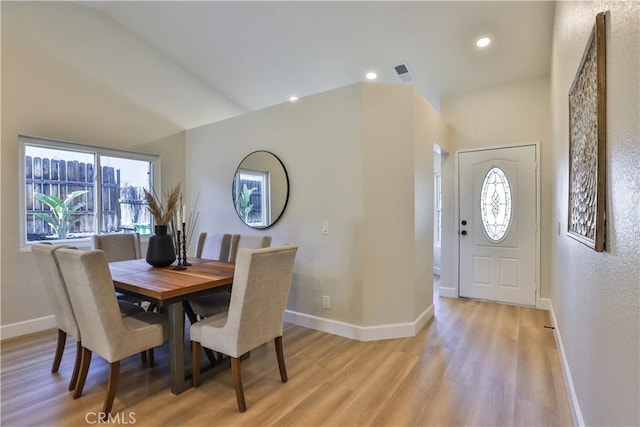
(24, 140)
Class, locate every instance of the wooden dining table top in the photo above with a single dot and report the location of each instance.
(165, 285)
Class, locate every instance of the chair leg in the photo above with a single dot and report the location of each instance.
(84, 369)
(76, 366)
(143, 357)
(280, 356)
(195, 362)
(62, 339)
(112, 386)
(237, 382)
(151, 359)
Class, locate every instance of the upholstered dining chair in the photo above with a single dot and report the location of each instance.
(258, 299)
(120, 247)
(250, 241)
(56, 291)
(59, 300)
(104, 331)
(218, 302)
(214, 246)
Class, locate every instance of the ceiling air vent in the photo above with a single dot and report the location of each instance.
(403, 72)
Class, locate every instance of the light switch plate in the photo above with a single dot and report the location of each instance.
(325, 227)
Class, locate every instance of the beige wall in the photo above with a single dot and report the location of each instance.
(44, 96)
(509, 114)
(351, 159)
(596, 296)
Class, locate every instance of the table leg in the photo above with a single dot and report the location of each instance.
(176, 348)
(179, 380)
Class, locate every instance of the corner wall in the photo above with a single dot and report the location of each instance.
(351, 158)
(596, 296)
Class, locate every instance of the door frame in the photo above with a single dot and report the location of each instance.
(456, 229)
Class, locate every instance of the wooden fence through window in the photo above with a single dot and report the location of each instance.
(60, 178)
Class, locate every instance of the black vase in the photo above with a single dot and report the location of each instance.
(160, 252)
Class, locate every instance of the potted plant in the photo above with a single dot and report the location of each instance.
(160, 250)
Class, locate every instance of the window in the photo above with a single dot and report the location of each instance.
(251, 195)
(495, 204)
(72, 191)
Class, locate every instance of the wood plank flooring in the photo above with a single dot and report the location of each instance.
(475, 363)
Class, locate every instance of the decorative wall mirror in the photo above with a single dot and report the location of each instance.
(260, 189)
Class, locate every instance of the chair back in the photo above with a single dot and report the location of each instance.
(55, 288)
(90, 286)
(214, 246)
(248, 241)
(118, 247)
(259, 295)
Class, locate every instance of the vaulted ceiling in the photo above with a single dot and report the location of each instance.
(258, 54)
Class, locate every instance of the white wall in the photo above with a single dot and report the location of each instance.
(508, 114)
(351, 158)
(43, 95)
(596, 296)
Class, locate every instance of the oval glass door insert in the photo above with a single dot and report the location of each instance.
(495, 204)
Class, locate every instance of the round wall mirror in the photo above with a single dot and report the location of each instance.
(260, 189)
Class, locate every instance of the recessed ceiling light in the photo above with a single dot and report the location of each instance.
(371, 75)
(483, 42)
(293, 98)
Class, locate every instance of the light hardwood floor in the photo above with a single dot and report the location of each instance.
(475, 363)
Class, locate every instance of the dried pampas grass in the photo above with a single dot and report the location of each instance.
(162, 214)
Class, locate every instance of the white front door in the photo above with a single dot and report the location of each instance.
(498, 224)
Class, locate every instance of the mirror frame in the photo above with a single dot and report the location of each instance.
(286, 198)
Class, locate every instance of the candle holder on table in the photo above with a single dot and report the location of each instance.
(184, 245)
(179, 252)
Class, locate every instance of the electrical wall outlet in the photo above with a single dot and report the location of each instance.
(326, 301)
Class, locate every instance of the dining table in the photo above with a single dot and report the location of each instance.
(168, 288)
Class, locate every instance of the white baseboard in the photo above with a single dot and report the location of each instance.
(27, 327)
(543, 304)
(445, 291)
(360, 333)
(576, 413)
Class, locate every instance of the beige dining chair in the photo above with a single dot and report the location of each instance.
(59, 300)
(215, 246)
(56, 291)
(218, 302)
(261, 286)
(250, 241)
(120, 247)
(104, 331)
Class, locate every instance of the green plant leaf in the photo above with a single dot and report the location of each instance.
(48, 219)
(60, 218)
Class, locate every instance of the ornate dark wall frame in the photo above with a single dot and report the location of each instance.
(587, 143)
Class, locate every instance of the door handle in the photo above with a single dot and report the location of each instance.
(464, 222)
(463, 232)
